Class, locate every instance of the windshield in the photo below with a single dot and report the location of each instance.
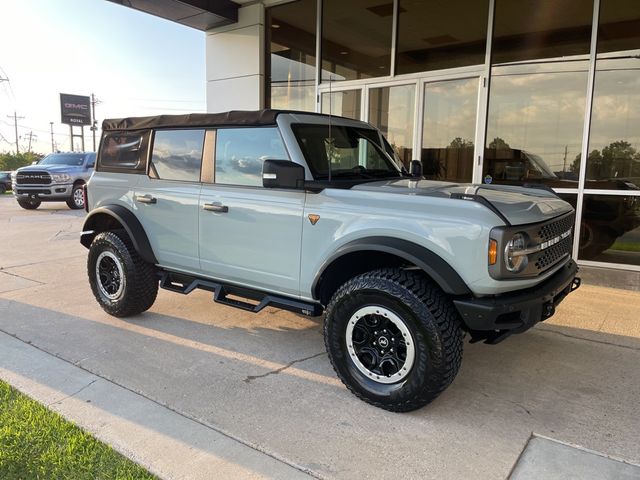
(352, 153)
(63, 159)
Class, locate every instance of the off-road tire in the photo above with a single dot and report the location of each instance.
(29, 204)
(73, 202)
(429, 316)
(140, 280)
(3, 189)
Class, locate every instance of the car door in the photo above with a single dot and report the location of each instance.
(166, 199)
(250, 235)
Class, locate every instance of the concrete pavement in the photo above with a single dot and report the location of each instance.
(265, 381)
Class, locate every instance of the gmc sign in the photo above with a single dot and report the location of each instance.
(76, 109)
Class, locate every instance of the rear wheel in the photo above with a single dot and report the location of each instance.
(29, 204)
(76, 202)
(3, 189)
(393, 338)
(122, 282)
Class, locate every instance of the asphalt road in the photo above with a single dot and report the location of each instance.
(265, 379)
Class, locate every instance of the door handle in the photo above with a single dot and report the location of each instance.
(145, 199)
(215, 207)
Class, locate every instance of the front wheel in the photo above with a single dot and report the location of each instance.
(29, 204)
(76, 202)
(393, 338)
(122, 282)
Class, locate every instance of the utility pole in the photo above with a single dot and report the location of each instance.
(52, 145)
(31, 136)
(94, 128)
(15, 124)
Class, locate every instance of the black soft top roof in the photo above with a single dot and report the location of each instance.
(232, 118)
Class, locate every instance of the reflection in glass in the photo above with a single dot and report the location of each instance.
(177, 155)
(536, 29)
(241, 151)
(391, 110)
(610, 230)
(535, 124)
(613, 162)
(356, 39)
(434, 34)
(342, 104)
(292, 33)
(449, 129)
(619, 27)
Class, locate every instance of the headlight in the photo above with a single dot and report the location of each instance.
(515, 256)
(60, 177)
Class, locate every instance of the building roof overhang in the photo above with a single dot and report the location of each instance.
(199, 14)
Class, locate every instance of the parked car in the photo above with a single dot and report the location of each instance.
(58, 177)
(5, 182)
(310, 213)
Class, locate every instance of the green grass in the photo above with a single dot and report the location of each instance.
(36, 443)
(625, 247)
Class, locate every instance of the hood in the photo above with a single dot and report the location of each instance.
(518, 205)
(49, 168)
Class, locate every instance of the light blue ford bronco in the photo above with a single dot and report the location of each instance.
(313, 214)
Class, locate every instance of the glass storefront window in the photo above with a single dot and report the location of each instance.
(356, 39)
(449, 127)
(535, 124)
(391, 110)
(610, 229)
(613, 162)
(434, 35)
(619, 27)
(342, 104)
(536, 29)
(292, 48)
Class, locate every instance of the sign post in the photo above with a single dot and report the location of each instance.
(75, 111)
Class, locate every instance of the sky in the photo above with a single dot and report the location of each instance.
(135, 64)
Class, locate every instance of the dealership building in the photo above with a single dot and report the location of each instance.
(487, 91)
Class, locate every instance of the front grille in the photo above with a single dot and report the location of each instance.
(33, 178)
(554, 229)
(551, 255)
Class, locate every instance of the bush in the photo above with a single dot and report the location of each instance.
(11, 161)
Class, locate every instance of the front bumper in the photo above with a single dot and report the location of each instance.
(494, 318)
(42, 192)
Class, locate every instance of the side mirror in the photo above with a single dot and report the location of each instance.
(35, 162)
(415, 169)
(282, 174)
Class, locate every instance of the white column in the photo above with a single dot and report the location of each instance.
(235, 63)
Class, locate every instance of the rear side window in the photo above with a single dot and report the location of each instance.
(177, 155)
(240, 153)
(123, 151)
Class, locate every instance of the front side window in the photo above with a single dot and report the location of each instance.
(177, 155)
(351, 153)
(240, 153)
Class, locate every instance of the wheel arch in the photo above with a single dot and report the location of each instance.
(370, 253)
(113, 217)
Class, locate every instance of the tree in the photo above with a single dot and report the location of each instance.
(11, 161)
(460, 142)
(499, 144)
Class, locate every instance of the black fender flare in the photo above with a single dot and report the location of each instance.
(432, 264)
(129, 222)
